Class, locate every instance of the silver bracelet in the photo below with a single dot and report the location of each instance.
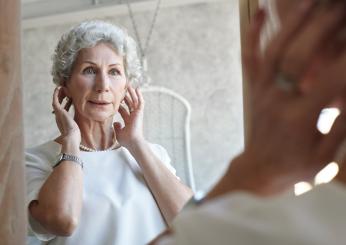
(66, 157)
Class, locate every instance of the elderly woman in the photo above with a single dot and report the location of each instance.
(99, 182)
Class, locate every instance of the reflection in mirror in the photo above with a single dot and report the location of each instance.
(194, 51)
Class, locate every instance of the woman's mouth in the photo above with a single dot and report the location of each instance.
(99, 103)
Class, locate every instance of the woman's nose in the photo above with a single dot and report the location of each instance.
(102, 83)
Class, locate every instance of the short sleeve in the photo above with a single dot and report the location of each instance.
(242, 218)
(164, 157)
(238, 218)
(37, 171)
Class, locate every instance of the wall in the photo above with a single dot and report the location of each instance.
(195, 51)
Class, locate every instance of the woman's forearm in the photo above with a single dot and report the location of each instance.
(170, 194)
(60, 199)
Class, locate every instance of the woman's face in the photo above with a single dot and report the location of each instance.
(97, 84)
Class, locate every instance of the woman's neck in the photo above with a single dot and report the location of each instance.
(96, 135)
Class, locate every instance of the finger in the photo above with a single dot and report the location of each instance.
(140, 99)
(56, 102)
(117, 127)
(251, 48)
(128, 102)
(293, 23)
(134, 97)
(309, 41)
(61, 95)
(124, 113)
(68, 104)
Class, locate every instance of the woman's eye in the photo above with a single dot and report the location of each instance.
(89, 70)
(114, 72)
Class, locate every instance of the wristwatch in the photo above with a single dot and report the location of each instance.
(66, 157)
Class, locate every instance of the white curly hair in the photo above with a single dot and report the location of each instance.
(88, 34)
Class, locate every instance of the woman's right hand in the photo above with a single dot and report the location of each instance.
(70, 132)
(284, 145)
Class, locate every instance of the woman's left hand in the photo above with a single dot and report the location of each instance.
(132, 133)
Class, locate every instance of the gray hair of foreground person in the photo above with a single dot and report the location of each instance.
(87, 35)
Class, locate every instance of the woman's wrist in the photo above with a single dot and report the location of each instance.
(251, 173)
(248, 173)
(70, 146)
(137, 146)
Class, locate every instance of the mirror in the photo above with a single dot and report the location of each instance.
(194, 51)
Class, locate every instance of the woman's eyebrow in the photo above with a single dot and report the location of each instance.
(115, 64)
(90, 62)
(93, 63)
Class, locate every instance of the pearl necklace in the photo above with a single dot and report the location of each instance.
(85, 148)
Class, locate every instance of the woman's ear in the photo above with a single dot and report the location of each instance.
(66, 91)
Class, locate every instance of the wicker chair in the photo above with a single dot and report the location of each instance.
(167, 122)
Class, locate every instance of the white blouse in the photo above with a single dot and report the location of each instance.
(118, 207)
(314, 218)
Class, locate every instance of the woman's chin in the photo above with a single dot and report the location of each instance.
(101, 116)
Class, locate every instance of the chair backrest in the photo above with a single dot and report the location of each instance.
(167, 122)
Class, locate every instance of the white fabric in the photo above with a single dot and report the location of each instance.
(316, 218)
(118, 207)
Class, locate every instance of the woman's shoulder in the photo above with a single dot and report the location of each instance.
(48, 146)
(162, 153)
(42, 153)
(158, 148)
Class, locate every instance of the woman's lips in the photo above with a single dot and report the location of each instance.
(99, 103)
